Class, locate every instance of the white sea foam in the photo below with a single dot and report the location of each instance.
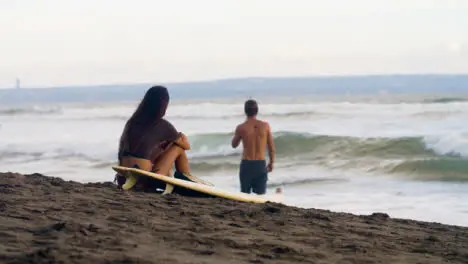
(343, 142)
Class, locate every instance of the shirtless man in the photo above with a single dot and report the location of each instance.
(256, 137)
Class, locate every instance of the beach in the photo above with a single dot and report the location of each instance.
(400, 154)
(50, 220)
(367, 145)
(377, 179)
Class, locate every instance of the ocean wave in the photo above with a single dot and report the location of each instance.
(34, 110)
(263, 115)
(436, 169)
(440, 158)
(417, 157)
(57, 154)
(291, 144)
(196, 166)
(443, 100)
(19, 154)
(304, 148)
(203, 117)
(302, 182)
(438, 114)
(201, 111)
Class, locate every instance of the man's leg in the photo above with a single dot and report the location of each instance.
(245, 184)
(259, 182)
(259, 185)
(244, 177)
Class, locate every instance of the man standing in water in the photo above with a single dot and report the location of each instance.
(256, 137)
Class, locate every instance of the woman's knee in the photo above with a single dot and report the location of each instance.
(168, 158)
(175, 150)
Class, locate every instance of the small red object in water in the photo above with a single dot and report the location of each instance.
(278, 190)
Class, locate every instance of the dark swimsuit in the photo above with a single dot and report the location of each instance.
(253, 176)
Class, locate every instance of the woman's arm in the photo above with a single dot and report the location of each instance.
(182, 141)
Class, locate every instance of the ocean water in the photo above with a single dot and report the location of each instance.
(407, 157)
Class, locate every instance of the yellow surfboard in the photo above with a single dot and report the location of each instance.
(133, 173)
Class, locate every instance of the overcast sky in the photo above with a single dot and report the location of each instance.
(63, 42)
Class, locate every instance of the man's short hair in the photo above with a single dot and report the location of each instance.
(251, 108)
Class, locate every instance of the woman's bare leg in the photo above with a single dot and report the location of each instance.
(174, 155)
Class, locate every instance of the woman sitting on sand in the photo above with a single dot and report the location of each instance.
(151, 143)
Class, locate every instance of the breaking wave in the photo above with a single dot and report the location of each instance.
(443, 100)
(290, 144)
(33, 110)
(417, 157)
(440, 169)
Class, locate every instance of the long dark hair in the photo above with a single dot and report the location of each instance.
(152, 107)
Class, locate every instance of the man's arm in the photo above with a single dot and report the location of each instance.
(271, 148)
(237, 138)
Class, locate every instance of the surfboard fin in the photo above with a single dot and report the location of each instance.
(130, 182)
(169, 187)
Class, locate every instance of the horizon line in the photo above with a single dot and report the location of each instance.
(166, 83)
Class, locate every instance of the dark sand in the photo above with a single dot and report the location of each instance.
(48, 220)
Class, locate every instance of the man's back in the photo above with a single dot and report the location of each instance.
(254, 134)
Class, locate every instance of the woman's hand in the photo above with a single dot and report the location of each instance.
(183, 142)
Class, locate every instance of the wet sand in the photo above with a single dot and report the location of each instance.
(48, 220)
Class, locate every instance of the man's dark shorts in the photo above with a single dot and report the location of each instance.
(253, 176)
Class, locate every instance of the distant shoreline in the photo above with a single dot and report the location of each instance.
(247, 78)
(246, 87)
